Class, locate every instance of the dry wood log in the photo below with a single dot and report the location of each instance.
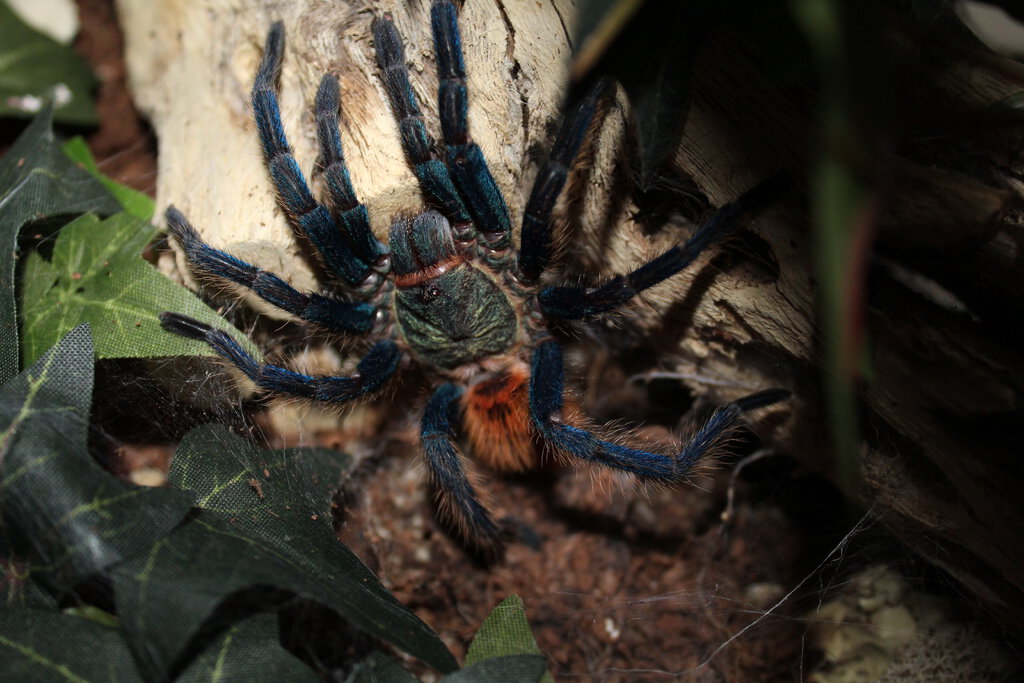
(192, 66)
(941, 463)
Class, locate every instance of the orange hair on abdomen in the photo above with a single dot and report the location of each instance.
(496, 418)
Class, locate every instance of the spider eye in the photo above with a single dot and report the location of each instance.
(431, 292)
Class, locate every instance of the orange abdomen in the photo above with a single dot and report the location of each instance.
(497, 421)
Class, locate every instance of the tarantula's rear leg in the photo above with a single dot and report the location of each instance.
(376, 367)
(574, 303)
(339, 316)
(546, 410)
(535, 237)
(349, 255)
(466, 161)
(432, 174)
(456, 497)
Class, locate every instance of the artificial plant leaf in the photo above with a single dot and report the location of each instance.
(17, 585)
(256, 484)
(35, 69)
(263, 519)
(507, 669)
(96, 275)
(248, 650)
(505, 631)
(93, 613)
(134, 202)
(45, 646)
(379, 668)
(58, 508)
(37, 180)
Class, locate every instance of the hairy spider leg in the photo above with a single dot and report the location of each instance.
(536, 233)
(341, 196)
(456, 497)
(546, 410)
(465, 160)
(309, 216)
(573, 303)
(376, 367)
(434, 178)
(339, 316)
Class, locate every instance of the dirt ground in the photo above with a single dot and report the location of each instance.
(619, 583)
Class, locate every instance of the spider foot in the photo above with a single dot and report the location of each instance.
(709, 439)
(515, 529)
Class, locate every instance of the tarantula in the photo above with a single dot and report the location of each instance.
(448, 290)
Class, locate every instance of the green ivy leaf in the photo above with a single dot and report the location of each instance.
(59, 509)
(37, 181)
(17, 582)
(93, 613)
(96, 275)
(46, 646)
(249, 650)
(504, 632)
(294, 484)
(35, 69)
(134, 202)
(264, 519)
(507, 669)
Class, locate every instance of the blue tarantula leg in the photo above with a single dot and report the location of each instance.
(432, 174)
(535, 238)
(465, 160)
(340, 316)
(574, 303)
(309, 216)
(376, 367)
(456, 497)
(349, 211)
(546, 412)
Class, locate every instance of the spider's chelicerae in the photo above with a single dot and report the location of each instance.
(448, 290)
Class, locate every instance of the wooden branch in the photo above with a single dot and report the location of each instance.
(192, 65)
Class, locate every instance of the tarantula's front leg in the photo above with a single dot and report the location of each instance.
(350, 212)
(432, 174)
(466, 161)
(311, 217)
(339, 316)
(546, 410)
(456, 497)
(574, 303)
(376, 367)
